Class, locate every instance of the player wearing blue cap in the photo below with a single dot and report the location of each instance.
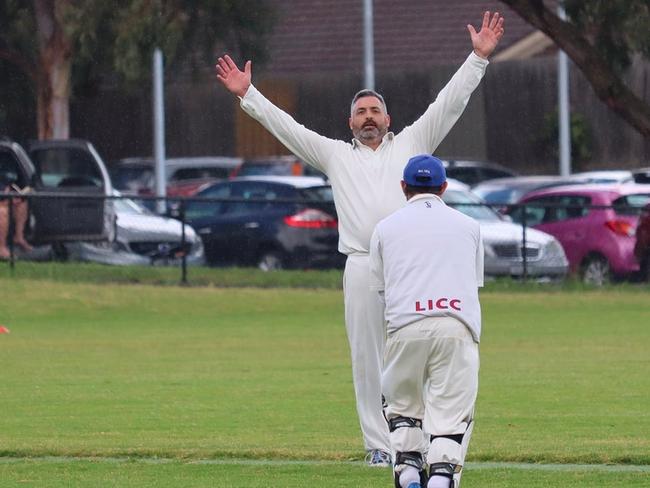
(426, 262)
(364, 176)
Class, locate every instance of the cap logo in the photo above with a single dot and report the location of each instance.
(424, 170)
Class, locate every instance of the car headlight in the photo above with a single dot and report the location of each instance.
(489, 251)
(196, 248)
(554, 249)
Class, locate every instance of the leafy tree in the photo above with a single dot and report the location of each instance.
(579, 132)
(60, 44)
(601, 37)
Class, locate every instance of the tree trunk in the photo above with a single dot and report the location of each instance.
(606, 84)
(54, 70)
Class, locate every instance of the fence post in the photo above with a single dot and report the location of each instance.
(10, 235)
(524, 251)
(184, 253)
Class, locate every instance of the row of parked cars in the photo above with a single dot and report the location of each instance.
(277, 212)
(602, 219)
(585, 224)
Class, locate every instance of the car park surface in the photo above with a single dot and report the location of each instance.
(270, 222)
(596, 225)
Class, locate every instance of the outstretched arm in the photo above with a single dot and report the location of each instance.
(485, 41)
(235, 80)
(309, 146)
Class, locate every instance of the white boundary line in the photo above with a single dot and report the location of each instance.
(644, 468)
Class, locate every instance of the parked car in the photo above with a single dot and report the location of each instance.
(270, 222)
(501, 192)
(474, 172)
(596, 225)
(616, 176)
(275, 165)
(60, 168)
(641, 175)
(503, 241)
(136, 176)
(143, 238)
(642, 244)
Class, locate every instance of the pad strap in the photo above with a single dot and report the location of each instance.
(400, 422)
(444, 469)
(410, 458)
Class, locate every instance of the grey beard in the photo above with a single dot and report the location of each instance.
(368, 133)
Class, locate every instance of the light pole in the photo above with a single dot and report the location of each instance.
(368, 46)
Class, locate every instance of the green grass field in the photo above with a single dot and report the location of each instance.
(140, 385)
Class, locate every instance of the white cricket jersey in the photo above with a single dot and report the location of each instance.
(366, 183)
(427, 258)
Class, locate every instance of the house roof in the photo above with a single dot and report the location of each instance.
(326, 36)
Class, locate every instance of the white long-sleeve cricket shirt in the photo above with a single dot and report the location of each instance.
(427, 258)
(366, 182)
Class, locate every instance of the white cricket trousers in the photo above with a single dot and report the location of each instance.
(364, 322)
(431, 373)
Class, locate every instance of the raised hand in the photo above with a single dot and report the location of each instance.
(485, 41)
(234, 79)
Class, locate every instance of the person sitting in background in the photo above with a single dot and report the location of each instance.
(20, 213)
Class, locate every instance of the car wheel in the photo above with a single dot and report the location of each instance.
(270, 261)
(596, 271)
(60, 252)
(645, 268)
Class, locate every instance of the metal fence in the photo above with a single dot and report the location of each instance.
(177, 208)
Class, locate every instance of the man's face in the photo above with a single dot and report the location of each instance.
(368, 121)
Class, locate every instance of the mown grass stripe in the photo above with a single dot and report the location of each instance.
(307, 462)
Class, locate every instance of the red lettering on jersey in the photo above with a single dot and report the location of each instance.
(440, 304)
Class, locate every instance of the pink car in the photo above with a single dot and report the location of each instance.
(595, 224)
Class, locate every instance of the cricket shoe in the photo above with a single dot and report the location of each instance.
(376, 458)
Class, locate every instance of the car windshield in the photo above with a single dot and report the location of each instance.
(470, 205)
(66, 166)
(200, 172)
(318, 193)
(631, 204)
(132, 178)
(498, 197)
(10, 170)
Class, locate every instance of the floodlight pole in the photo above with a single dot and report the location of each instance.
(368, 45)
(159, 131)
(563, 106)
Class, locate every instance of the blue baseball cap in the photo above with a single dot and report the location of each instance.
(424, 170)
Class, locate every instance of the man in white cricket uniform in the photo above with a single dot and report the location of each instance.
(364, 176)
(426, 261)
